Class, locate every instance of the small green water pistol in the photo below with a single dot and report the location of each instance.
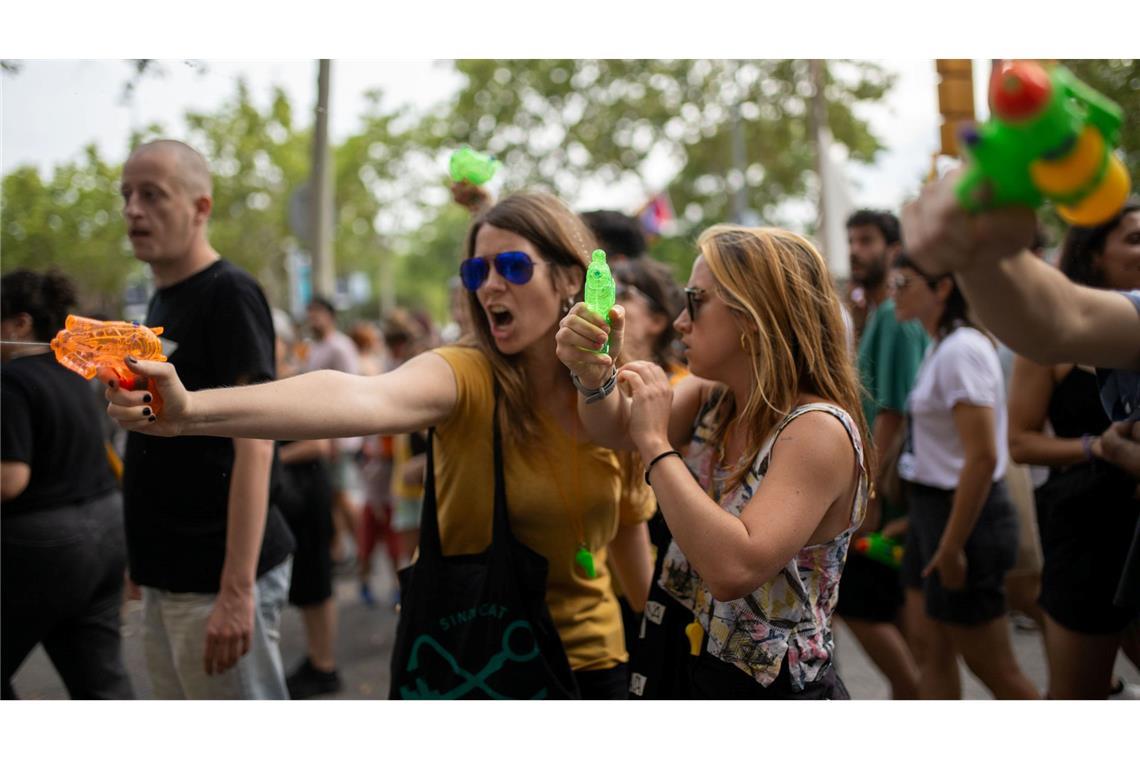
(601, 292)
(468, 165)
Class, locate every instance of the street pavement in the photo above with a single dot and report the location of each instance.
(366, 635)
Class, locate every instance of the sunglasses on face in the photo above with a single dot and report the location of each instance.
(901, 281)
(693, 299)
(516, 267)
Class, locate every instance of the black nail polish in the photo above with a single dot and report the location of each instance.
(146, 398)
(111, 384)
(146, 411)
(152, 418)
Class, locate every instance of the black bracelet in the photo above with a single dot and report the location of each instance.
(657, 459)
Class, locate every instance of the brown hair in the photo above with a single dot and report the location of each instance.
(779, 284)
(565, 243)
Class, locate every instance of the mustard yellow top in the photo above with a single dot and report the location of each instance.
(539, 479)
(401, 453)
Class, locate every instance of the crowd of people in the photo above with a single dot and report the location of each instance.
(682, 515)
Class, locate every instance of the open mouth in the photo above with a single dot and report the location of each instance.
(138, 234)
(501, 318)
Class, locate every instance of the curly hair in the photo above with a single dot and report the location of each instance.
(46, 297)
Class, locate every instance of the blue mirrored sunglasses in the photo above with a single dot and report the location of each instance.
(516, 267)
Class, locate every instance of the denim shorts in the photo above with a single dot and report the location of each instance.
(991, 552)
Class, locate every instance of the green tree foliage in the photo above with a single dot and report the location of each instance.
(258, 158)
(71, 221)
(558, 122)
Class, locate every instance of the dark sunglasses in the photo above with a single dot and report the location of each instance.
(901, 281)
(693, 298)
(516, 267)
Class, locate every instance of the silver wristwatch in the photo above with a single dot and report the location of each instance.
(596, 394)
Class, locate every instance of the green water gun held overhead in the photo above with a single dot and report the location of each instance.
(601, 291)
(468, 165)
(1050, 137)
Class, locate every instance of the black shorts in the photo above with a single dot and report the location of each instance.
(991, 552)
(305, 499)
(869, 590)
(1090, 520)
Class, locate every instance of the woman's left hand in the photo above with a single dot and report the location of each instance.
(651, 398)
(951, 567)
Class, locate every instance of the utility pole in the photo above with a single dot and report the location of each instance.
(739, 164)
(321, 197)
(955, 99)
(821, 133)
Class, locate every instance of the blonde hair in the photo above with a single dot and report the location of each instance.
(792, 327)
(564, 242)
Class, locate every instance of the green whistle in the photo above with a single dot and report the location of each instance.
(601, 293)
(469, 165)
(586, 561)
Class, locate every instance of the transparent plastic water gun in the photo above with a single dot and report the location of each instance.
(601, 292)
(1050, 137)
(879, 548)
(468, 165)
(91, 346)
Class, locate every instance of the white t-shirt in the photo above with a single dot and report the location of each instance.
(962, 368)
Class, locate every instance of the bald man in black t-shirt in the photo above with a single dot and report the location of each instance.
(210, 551)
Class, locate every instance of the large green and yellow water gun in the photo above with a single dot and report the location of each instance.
(1050, 137)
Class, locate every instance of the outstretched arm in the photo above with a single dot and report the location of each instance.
(326, 404)
(1030, 306)
(1042, 314)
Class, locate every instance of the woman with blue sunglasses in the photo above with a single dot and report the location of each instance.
(524, 267)
(773, 481)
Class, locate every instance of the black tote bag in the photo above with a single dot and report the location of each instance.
(476, 626)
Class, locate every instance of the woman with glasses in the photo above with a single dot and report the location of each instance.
(763, 503)
(963, 532)
(525, 265)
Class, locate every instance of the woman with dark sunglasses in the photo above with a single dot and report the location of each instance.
(773, 482)
(525, 265)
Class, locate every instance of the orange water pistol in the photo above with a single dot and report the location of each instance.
(92, 347)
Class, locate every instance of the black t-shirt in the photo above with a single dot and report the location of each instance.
(176, 490)
(51, 420)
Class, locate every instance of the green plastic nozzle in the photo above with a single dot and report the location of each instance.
(601, 292)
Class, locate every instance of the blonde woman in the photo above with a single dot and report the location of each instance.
(774, 480)
(525, 264)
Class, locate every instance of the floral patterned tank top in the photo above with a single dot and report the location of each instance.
(790, 615)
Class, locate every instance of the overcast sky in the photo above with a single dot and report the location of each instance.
(53, 108)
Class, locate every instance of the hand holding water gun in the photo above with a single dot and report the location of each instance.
(1050, 137)
(591, 335)
(91, 347)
